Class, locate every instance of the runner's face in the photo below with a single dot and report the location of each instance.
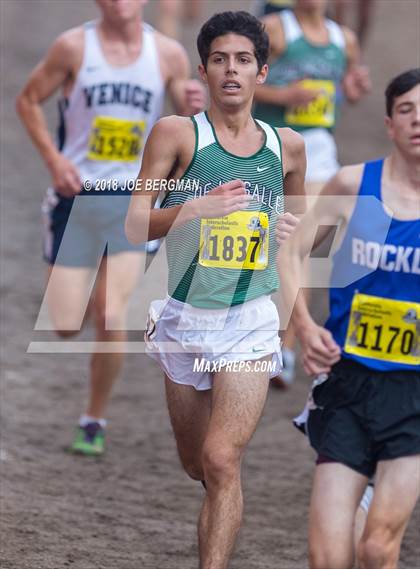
(404, 124)
(232, 71)
(121, 10)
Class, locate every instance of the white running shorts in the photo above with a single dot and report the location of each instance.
(321, 155)
(189, 342)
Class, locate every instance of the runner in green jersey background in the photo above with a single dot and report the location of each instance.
(313, 61)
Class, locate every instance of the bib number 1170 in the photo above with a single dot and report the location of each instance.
(386, 340)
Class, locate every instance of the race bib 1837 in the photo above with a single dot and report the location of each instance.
(236, 241)
(116, 139)
(384, 329)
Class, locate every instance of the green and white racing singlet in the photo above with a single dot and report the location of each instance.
(317, 67)
(221, 262)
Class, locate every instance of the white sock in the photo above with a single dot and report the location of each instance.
(367, 498)
(289, 356)
(287, 374)
(86, 419)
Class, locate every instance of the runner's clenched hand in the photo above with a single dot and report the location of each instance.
(319, 350)
(285, 226)
(298, 96)
(222, 200)
(65, 177)
(195, 96)
(357, 83)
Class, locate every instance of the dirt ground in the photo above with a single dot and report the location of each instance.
(135, 508)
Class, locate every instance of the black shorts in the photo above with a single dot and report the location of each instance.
(79, 231)
(364, 416)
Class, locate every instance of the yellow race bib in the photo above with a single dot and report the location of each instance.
(320, 111)
(116, 139)
(237, 241)
(384, 329)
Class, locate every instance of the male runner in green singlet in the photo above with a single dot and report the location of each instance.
(363, 416)
(113, 74)
(219, 322)
(313, 61)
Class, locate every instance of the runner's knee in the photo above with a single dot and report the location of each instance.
(220, 462)
(66, 326)
(378, 548)
(190, 460)
(67, 319)
(109, 315)
(321, 557)
(193, 470)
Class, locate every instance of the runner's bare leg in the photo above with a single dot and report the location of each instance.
(237, 403)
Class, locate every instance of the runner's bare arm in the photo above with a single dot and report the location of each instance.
(294, 166)
(56, 70)
(274, 28)
(326, 212)
(319, 351)
(167, 153)
(160, 155)
(356, 81)
(188, 96)
(294, 169)
(292, 95)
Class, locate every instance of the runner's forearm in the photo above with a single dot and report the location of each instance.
(145, 224)
(272, 95)
(178, 97)
(291, 270)
(163, 220)
(301, 318)
(33, 118)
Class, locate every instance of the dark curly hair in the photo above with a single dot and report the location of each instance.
(400, 85)
(241, 23)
